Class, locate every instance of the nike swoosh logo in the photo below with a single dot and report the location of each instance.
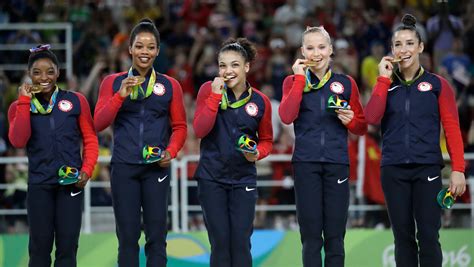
(339, 181)
(432, 178)
(249, 189)
(162, 179)
(393, 88)
(75, 194)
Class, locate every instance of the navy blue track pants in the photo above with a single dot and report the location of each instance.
(136, 188)
(54, 216)
(322, 203)
(229, 211)
(410, 192)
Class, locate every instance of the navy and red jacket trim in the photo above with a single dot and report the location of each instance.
(221, 129)
(158, 120)
(54, 139)
(410, 119)
(319, 135)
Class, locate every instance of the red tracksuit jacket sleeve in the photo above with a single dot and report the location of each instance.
(375, 108)
(107, 105)
(293, 87)
(19, 119)
(178, 119)
(357, 125)
(265, 130)
(89, 137)
(207, 105)
(450, 121)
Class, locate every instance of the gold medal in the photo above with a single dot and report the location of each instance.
(310, 63)
(140, 79)
(36, 89)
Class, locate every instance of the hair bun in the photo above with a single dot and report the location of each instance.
(409, 20)
(145, 20)
(40, 48)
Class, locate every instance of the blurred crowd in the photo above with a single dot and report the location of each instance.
(191, 32)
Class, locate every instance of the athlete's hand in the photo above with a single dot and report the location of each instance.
(127, 85)
(386, 67)
(252, 157)
(345, 115)
(25, 90)
(217, 85)
(457, 183)
(298, 66)
(83, 179)
(165, 161)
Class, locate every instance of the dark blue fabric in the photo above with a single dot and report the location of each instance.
(229, 211)
(55, 140)
(322, 203)
(141, 122)
(136, 188)
(220, 160)
(411, 123)
(54, 216)
(320, 136)
(410, 192)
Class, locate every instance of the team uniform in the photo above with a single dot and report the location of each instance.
(52, 140)
(226, 180)
(158, 120)
(410, 114)
(320, 161)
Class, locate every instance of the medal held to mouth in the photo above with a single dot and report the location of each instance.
(36, 88)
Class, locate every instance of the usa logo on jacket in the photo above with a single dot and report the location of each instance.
(337, 87)
(251, 109)
(65, 105)
(159, 89)
(425, 86)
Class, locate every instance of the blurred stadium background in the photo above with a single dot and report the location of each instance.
(91, 40)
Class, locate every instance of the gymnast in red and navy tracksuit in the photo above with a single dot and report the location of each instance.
(228, 108)
(52, 124)
(323, 106)
(144, 116)
(410, 103)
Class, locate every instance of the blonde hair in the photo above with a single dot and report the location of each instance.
(316, 29)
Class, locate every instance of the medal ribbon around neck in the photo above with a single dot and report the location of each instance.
(36, 107)
(137, 90)
(309, 86)
(410, 82)
(226, 103)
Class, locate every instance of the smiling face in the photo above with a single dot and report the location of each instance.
(233, 68)
(407, 47)
(44, 72)
(316, 47)
(144, 50)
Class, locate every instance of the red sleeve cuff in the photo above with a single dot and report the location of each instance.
(213, 101)
(117, 100)
(458, 168)
(23, 99)
(300, 78)
(384, 80)
(88, 171)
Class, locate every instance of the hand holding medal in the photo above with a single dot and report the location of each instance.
(68, 175)
(248, 147)
(445, 199)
